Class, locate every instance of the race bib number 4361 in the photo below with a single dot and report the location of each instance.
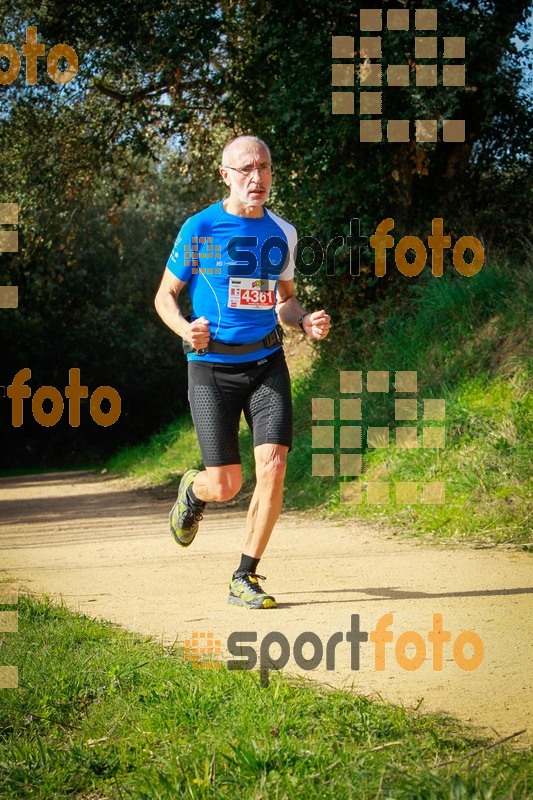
(252, 293)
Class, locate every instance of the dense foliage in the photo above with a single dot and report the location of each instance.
(106, 167)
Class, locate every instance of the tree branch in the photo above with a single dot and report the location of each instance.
(153, 89)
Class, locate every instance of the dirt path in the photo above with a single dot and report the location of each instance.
(104, 548)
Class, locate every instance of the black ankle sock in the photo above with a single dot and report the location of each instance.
(248, 564)
(193, 497)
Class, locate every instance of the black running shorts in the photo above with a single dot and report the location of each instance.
(218, 393)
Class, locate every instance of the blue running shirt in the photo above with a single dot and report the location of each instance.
(232, 265)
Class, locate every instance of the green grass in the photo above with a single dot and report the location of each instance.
(163, 457)
(102, 713)
(486, 467)
(467, 339)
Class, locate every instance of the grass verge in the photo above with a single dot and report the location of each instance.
(103, 714)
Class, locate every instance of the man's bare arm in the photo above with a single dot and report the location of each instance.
(316, 324)
(167, 306)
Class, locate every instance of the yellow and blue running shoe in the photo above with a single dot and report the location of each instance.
(185, 514)
(244, 590)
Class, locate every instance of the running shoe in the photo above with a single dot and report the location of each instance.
(185, 514)
(244, 590)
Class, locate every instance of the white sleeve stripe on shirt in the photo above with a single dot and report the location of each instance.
(287, 273)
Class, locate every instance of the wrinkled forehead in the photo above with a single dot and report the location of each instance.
(248, 153)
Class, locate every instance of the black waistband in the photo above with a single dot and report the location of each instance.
(273, 339)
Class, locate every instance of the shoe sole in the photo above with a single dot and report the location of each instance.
(181, 542)
(268, 602)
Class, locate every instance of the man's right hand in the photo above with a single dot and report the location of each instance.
(199, 333)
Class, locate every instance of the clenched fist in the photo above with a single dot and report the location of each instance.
(199, 333)
(317, 324)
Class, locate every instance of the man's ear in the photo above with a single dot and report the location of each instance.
(224, 175)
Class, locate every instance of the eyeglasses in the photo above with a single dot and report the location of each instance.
(263, 169)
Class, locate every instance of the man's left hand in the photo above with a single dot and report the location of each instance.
(317, 324)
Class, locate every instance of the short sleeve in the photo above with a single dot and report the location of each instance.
(289, 232)
(180, 259)
(287, 273)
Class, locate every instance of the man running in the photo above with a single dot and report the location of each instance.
(237, 258)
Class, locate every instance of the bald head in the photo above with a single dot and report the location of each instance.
(241, 144)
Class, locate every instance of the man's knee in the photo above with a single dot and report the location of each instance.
(271, 463)
(224, 485)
